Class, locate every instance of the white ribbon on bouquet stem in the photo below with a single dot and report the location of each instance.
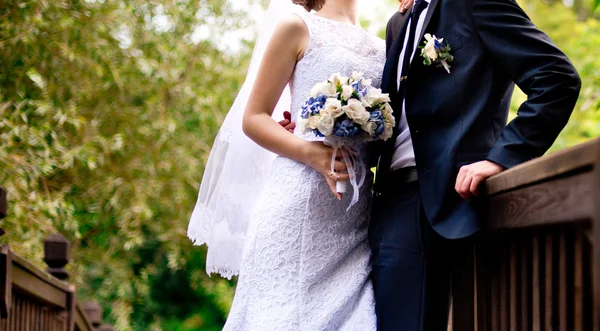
(354, 163)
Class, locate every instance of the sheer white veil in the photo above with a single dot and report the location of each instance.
(237, 168)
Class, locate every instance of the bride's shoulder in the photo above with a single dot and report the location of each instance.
(293, 24)
(378, 42)
(290, 33)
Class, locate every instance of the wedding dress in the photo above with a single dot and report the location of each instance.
(306, 261)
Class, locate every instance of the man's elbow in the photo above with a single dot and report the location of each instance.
(576, 83)
(570, 87)
(574, 87)
(573, 83)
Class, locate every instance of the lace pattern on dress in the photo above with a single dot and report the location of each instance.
(306, 260)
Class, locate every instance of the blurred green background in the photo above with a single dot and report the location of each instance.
(108, 109)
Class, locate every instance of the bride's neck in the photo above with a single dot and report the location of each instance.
(341, 10)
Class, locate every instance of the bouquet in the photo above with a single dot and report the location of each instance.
(347, 111)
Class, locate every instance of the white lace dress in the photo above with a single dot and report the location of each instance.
(306, 260)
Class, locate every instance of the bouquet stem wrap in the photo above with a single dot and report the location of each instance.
(352, 157)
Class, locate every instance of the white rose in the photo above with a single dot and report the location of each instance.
(382, 98)
(357, 75)
(356, 112)
(313, 122)
(388, 114)
(323, 89)
(347, 91)
(326, 123)
(369, 127)
(365, 103)
(337, 80)
(430, 47)
(388, 130)
(391, 122)
(374, 96)
(302, 125)
(334, 107)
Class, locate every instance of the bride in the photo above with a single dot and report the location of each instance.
(270, 212)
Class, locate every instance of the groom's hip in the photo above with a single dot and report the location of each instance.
(397, 215)
(400, 226)
(446, 212)
(397, 180)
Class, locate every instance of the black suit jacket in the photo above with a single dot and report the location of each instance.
(460, 118)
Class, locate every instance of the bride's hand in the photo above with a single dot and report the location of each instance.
(318, 156)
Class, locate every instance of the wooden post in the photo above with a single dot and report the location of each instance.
(463, 293)
(94, 312)
(71, 306)
(57, 254)
(5, 281)
(3, 204)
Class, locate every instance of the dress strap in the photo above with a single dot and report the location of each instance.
(310, 22)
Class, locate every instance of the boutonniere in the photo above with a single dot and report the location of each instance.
(436, 51)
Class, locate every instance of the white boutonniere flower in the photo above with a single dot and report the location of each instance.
(436, 51)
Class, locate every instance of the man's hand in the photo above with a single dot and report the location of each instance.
(287, 122)
(404, 5)
(471, 176)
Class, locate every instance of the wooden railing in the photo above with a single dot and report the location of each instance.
(536, 266)
(34, 300)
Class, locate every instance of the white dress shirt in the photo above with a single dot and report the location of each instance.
(404, 155)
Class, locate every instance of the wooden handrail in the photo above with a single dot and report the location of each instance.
(536, 265)
(34, 299)
(18, 277)
(576, 158)
(82, 321)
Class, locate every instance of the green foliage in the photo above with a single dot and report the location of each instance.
(580, 40)
(107, 114)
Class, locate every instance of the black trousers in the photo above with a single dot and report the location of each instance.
(413, 266)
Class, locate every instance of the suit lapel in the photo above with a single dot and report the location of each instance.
(432, 5)
(391, 67)
(390, 72)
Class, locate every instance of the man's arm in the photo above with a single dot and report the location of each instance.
(540, 70)
(396, 23)
(389, 33)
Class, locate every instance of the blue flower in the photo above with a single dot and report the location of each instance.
(346, 128)
(437, 45)
(376, 116)
(360, 88)
(313, 106)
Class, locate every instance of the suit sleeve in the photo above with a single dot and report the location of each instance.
(538, 67)
(389, 35)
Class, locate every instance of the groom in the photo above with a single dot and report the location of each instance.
(450, 137)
